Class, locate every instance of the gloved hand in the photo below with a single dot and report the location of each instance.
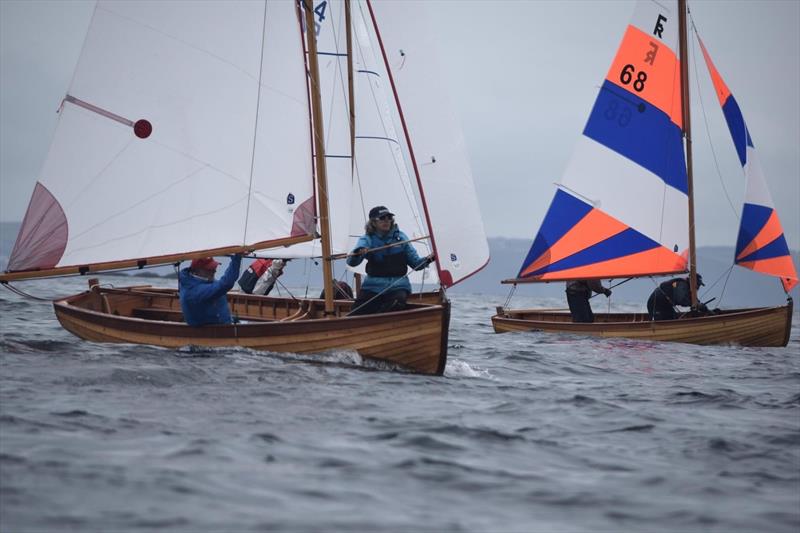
(702, 307)
(425, 262)
(607, 292)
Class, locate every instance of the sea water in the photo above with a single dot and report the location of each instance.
(524, 432)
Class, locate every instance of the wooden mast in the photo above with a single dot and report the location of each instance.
(687, 133)
(350, 89)
(319, 150)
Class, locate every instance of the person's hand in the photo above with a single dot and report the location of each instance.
(702, 307)
(430, 259)
(361, 251)
(607, 292)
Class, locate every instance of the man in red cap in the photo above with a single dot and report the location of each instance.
(203, 299)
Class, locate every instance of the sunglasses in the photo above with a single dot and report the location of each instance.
(386, 217)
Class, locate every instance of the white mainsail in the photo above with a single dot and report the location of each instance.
(192, 183)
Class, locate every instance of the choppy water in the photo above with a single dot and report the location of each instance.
(525, 432)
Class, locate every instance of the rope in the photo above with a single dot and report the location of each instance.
(24, 294)
(510, 295)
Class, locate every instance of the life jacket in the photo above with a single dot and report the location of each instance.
(248, 279)
(389, 263)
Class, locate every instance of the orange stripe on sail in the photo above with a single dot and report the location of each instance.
(655, 75)
(594, 227)
(719, 85)
(781, 267)
(656, 261)
(771, 231)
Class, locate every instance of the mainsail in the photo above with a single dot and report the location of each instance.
(167, 141)
(761, 245)
(621, 209)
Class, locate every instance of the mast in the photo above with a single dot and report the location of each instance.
(319, 150)
(350, 89)
(687, 133)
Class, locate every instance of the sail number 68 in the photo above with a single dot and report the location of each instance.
(627, 75)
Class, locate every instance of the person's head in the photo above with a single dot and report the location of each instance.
(205, 267)
(381, 220)
(699, 280)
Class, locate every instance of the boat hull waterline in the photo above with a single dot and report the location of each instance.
(763, 326)
(414, 339)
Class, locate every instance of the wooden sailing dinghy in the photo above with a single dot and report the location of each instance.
(625, 207)
(210, 128)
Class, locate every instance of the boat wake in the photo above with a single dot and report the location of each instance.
(461, 369)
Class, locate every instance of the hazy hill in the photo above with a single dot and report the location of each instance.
(741, 288)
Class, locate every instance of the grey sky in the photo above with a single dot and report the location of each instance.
(523, 75)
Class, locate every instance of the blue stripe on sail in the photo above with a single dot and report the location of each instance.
(640, 132)
(738, 128)
(622, 244)
(777, 248)
(565, 211)
(754, 217)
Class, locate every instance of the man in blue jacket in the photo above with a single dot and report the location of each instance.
(386, 287)
(203, 299)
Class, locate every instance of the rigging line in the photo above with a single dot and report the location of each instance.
(611, 287)
(510, 295)
(255, 126)
(379, 108)
(338, 77)
(705, 120)
(20, 292)
(389, 130)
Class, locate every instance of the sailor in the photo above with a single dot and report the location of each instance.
(661, 303)
(578, 293)
(203, 299)
(386, 286)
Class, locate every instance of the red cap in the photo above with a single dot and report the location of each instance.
(204, 263)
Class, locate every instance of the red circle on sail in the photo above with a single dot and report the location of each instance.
(142, 128)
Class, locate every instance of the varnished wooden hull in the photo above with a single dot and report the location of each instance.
(415, 338)
(764, 326)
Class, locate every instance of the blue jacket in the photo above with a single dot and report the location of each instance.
(205, 302)
(373, 240)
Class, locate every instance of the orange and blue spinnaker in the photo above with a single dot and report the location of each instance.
(761, 245)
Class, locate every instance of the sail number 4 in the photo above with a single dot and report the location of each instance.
(627, 75)
(319, 11)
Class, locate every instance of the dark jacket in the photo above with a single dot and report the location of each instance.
(205, 302)
(386, 267)
(668, 294)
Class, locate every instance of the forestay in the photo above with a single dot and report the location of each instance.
(761, 245)
(178, 135)
(621, 209)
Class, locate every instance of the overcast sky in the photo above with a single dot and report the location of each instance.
(524, 75)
